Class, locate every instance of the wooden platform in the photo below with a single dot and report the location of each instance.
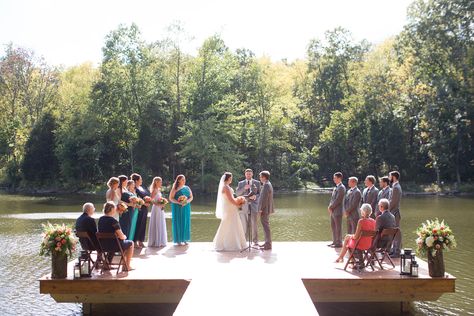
(290, 277)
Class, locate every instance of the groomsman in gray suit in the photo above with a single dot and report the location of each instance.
(351, 205)
(265, 207)
(384, 192)
(245, 187)
(370, 194)
(394, 208)
(336, 205)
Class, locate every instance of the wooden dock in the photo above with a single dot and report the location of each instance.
(285, 280)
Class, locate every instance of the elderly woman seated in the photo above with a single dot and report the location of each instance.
(364, 223)
(108, 224)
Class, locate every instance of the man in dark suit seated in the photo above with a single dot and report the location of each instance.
(384, 220)
(85, 223)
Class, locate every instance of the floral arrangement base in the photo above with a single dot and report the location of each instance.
(436, 264)
(58, 266)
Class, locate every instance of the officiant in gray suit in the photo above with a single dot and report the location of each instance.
(245, 187)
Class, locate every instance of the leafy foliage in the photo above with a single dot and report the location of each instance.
(151, 108)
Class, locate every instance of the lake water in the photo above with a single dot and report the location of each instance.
(298, 217)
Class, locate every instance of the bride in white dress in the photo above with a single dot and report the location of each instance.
(230, 235)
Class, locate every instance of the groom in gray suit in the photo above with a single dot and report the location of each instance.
(245, 187)
(265, 207)
(336, 205)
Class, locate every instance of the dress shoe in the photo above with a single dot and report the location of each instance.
(394, 255)
(330, 245)
(338, 246)
(266, 247)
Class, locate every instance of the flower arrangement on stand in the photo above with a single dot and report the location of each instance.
(60, 243)
(434, 237)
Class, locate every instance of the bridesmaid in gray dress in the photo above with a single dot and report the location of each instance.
(157, 235)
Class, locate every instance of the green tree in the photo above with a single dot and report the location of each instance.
(439, 37)
(40, 164)
(28, 86)
(206, 136)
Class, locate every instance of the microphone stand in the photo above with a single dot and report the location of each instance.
(249, 226)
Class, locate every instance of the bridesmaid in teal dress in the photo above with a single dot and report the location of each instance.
(180, 198)
(132, 209)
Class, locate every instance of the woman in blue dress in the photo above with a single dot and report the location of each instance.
(181, 197)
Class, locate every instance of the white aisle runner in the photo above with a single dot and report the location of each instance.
(263, 291)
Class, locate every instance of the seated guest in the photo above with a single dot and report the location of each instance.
(364, 223)
(85, 223)
(108, 224)
(384, 220)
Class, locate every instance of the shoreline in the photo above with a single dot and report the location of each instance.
(318, 190)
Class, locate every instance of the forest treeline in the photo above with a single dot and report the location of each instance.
(349, 106)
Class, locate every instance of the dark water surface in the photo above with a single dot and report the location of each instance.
(298, 217)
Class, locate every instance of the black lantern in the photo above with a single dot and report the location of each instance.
(77, 271)
(85, 264)
(414, 269)
(406, 259)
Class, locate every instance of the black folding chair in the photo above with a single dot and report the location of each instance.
(109, 243)
(89, 247)
(363, 253)
(384, 251)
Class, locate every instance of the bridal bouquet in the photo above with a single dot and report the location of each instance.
(240, 200)
(57, 239)
(433, 236)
